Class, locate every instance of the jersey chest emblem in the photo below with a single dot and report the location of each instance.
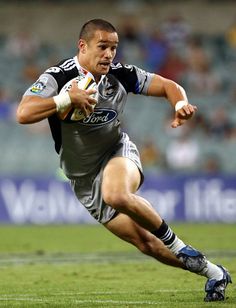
(108, 88)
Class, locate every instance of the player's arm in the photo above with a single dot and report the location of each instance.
(33, 108)
(175, 94)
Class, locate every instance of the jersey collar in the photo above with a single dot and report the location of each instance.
(84, 71)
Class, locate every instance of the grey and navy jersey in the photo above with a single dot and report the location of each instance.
(84, 144)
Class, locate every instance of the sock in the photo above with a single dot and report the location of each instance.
(212, 271)
(168, 237)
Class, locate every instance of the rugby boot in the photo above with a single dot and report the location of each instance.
(193, 259)
(215, 289)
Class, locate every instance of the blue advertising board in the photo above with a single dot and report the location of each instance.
(176, 198)
(193, 198)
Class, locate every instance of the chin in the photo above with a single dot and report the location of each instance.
(105, 71)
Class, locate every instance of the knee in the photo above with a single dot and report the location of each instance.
(118, 201)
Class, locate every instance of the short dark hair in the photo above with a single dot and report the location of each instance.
(88, 29)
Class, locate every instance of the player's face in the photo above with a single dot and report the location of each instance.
(97, 54)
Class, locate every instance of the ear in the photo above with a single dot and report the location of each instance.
(82, 46)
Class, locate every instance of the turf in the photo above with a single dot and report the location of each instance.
(86, 266)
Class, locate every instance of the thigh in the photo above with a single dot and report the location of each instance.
(120, 175)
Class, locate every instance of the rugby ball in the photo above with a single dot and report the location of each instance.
(84, 82)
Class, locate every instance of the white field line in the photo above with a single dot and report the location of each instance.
(23, 299)
(2, 295)
(15, 301)
(81, 258)
(131, 293)
(33, 298)
(33, 295)
(73, 258)
(14, 298)
(118, 302)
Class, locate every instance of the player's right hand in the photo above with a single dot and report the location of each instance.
(82, 99)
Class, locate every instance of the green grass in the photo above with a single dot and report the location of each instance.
(86, 266)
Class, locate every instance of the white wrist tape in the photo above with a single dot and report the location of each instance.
(62, 101)
(180, 104)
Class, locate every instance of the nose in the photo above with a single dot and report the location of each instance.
(108, 53)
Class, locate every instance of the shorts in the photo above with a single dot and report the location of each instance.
(88, 188)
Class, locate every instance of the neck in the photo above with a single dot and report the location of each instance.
(82, 65)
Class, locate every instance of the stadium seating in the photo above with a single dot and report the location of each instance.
(28, 150)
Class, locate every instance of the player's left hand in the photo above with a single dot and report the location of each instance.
(183, 114)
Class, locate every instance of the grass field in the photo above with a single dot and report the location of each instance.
(86, 266)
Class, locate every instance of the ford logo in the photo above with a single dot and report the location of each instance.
(99, 117)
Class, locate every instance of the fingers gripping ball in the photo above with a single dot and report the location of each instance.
(65, 110)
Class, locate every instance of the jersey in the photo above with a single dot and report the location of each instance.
(84, 144)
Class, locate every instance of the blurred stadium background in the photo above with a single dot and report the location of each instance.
(190, 171)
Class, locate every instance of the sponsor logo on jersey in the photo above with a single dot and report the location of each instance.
(99, 117)
(39, 85)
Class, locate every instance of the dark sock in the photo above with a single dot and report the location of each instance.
(165, 234)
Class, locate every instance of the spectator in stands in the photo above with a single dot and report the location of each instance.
(174, 66)
(220, 125)
(156, 50)
(195, 53)
(203, 80)
(176, 31)
(151, 156)
(22, 45)
(7, 108)
(230, 35)
(31, 71)
(199, 123)
(131, 41)
(183, 154)
(200, 77)
(211, 164)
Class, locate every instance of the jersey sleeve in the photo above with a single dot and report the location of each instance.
(48, 84)
(133, 78)
(45, 86)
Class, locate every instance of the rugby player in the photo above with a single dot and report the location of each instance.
(100, 160)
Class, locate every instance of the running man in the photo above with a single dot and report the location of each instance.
(100, 160)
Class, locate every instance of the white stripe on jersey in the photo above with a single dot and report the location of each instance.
(69, 68)
(67, 62)
(126, 147)
(68, 65)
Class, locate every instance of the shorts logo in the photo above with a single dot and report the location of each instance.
(99, 117)
(39, 85)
